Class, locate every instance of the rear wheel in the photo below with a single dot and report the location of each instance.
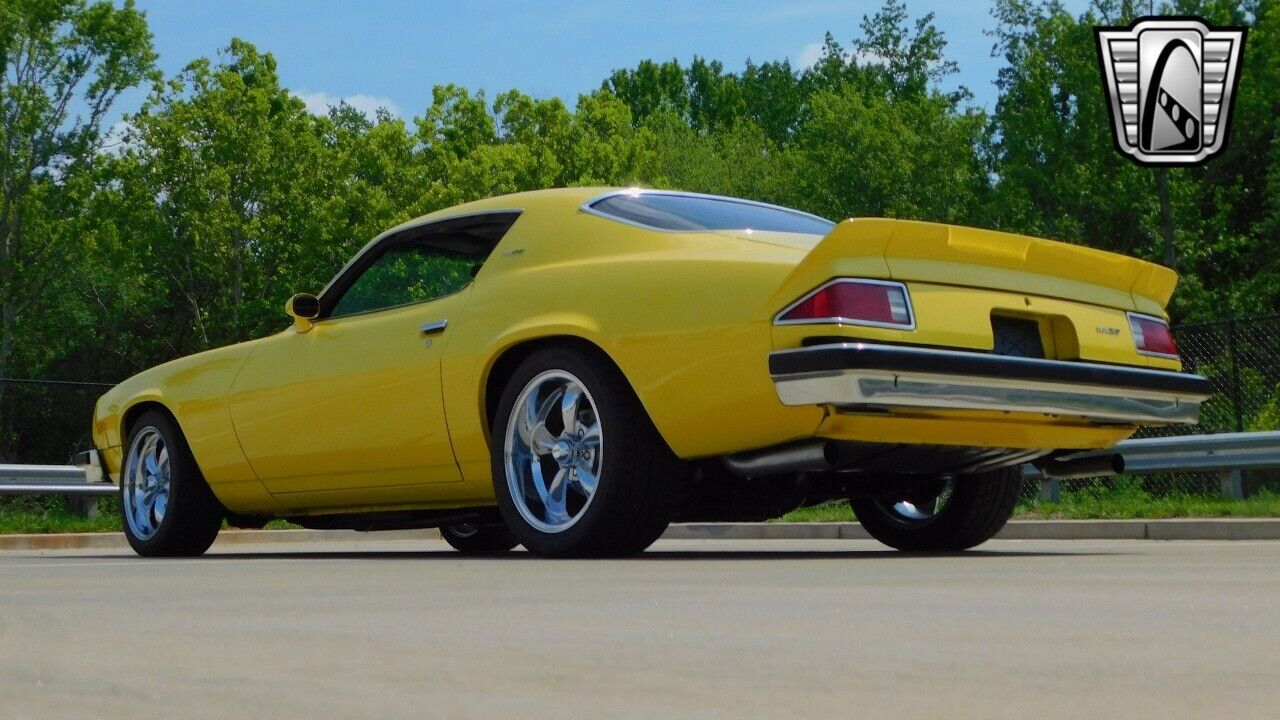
(166, 506)
(942, 513)
(472, 539)
(578, 467)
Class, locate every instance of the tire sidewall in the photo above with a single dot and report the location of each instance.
(971, 516)
(185, 482)
(921, 535)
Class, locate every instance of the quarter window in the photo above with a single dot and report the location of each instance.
(416, 264)
(406, 274)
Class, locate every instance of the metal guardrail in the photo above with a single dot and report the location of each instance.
(1202, 453)
(81, 479)
(1227, 454)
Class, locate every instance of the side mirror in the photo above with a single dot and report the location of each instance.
(303, 308)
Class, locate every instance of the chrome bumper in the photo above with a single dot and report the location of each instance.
(869, 376)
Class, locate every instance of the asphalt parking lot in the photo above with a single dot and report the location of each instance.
(698, 628)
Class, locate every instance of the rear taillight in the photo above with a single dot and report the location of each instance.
(855, 302)
(1151, 335)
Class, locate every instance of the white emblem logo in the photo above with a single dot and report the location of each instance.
(1170, 83)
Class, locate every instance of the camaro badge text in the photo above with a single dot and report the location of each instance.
(1170, 84)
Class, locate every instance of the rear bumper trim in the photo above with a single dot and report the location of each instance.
(887, 376)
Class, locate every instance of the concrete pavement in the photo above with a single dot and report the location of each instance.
(693, 628)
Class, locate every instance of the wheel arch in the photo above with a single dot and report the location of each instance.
(133, 411)
(506, 362)
(136, 409)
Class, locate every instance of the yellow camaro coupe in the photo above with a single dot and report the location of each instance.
(573, 369)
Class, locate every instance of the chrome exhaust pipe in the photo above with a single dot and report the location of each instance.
(804, 457)
(1089, 466)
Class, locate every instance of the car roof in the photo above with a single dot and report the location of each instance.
(571, 196)
(513, 202)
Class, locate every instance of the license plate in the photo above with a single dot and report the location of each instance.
(1017, 337)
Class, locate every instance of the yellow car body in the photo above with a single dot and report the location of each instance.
(366, 413)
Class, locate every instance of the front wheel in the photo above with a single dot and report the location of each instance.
(578, 467)
(166, 506)
(942, 514)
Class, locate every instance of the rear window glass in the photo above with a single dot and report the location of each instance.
(693, 212)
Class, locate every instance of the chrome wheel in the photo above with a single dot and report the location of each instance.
(922, 505)
(463, 530)
(553, 451)
(146, 482)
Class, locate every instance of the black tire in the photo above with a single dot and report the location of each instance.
(635, 490)
(470, 539)
(192, 516)
(979, 505)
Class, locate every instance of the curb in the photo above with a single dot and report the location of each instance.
(1171, 529)
(116, 541)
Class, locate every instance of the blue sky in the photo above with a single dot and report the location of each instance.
(387, 52)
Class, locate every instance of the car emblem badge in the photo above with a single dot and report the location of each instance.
(1170, 84)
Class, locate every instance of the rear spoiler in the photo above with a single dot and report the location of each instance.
(907, 251)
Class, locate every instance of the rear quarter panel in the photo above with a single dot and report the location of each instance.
(682, 315)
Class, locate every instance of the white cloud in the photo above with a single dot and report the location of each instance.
(812, 52)
(868, 57)
(318, 103)
(116, 139)
(809, 55)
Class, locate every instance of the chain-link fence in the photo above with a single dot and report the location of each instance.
(1241, 358)
(45, 421)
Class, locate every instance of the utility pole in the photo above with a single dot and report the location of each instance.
(1166, 219)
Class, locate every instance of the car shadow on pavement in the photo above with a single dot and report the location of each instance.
(853, 554)
(652, 555)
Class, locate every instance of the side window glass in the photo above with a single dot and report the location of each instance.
(406, 274)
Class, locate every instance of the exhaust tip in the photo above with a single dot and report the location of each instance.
(1080, 468)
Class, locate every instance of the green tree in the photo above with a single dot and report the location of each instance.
(651, 87)
(1051, 148)
(63, 63)
(879, 137)
(235, 167)
(1059, 176)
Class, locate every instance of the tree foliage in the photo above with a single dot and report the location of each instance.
(63, 63)
(223, 195)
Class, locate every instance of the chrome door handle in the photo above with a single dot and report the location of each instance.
(435, 327)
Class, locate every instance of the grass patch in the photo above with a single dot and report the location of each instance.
(1124, 499)
(33, 514)
(826, 512)
(37, 515)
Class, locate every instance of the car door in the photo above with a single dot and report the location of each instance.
(350, 411)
